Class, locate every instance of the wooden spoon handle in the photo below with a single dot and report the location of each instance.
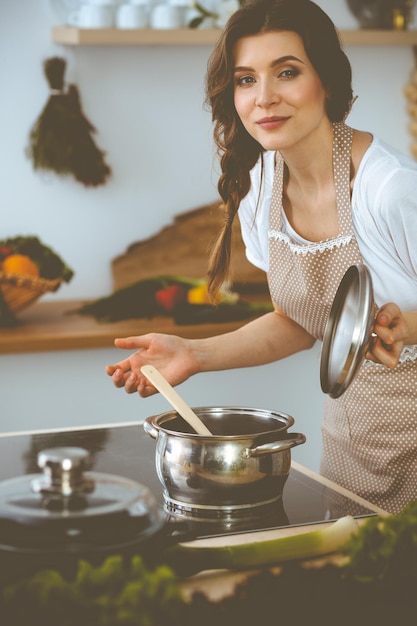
(169, 393)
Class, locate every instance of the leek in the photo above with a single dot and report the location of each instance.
(189, 557)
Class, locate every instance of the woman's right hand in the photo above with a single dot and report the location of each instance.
(171, 355)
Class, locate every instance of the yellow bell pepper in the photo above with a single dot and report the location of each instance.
(198, 295)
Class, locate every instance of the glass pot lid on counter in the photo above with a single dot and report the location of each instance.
(66, 510)
(348, 331)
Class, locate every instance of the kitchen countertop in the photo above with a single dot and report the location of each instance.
(48, 326)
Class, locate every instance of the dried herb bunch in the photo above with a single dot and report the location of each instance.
(410, 91)
(61, 138)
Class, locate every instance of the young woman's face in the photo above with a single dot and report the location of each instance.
(278, 95)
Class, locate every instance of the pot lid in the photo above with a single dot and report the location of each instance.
(65, 508)
(348, 331)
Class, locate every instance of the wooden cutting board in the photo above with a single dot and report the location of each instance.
(182, 248)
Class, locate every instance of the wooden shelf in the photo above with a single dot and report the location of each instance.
(379, 37)
(133, 37)
(191, 37)
(49, 326)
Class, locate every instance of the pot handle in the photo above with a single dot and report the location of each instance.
(289, 440)
(149, 429)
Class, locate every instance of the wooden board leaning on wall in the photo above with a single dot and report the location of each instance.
(182, 248)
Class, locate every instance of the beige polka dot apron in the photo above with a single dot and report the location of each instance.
(369, 434)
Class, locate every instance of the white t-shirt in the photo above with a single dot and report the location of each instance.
(384, 215)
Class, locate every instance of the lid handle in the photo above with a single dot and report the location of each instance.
(63, 472)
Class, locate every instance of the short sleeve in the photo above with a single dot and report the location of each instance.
(399, 216)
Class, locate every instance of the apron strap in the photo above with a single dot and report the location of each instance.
(342, 148)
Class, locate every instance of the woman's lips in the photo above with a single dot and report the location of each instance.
(270, 123)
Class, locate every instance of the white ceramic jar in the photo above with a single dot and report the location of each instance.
(93, 14)
(166, 16)
(133, 15)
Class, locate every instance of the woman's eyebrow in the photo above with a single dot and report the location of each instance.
(285, 59)
(279, 61)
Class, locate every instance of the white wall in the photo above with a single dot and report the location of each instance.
(147, 104)
(71, 389)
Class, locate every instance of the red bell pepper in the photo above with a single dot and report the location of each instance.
(170, 297)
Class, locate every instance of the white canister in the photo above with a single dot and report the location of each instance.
(101, 3)
(132, 16)
(92, 16)
(168, 16)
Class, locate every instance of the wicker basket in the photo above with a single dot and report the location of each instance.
(19, 291)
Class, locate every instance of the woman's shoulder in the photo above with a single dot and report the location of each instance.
(384, 191)
(385, 173)
(381, 156)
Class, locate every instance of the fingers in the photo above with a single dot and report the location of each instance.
(126, 374)
(384, 354)
(132, 343)
(390, 332)
(137, 384)
(120, 379)
(145, 388)
(122, 373)
(390, 325)
(119, 371)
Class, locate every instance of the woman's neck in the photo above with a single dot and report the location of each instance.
(310, 161)
(309, 194)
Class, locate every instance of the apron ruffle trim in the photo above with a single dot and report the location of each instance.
(310, 248)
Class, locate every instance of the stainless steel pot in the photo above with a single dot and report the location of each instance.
(242, 466)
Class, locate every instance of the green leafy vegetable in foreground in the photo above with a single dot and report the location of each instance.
(104, 596)
(384, 551)
(375, 584)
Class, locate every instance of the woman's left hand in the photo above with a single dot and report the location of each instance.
(390, 332)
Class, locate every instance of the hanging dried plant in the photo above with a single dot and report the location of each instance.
(410, 91)
(61, 138)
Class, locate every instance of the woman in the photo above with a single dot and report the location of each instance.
(314, 197)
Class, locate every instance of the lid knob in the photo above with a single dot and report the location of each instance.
(63, 472)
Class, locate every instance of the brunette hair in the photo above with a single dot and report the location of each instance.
(237, 150)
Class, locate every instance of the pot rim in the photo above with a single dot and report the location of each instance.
(158, 422)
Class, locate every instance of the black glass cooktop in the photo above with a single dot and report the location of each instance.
(129, 452)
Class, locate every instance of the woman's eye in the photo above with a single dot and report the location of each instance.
(289, 73)
(245, 80)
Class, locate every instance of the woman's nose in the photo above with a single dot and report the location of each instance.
(266, 95)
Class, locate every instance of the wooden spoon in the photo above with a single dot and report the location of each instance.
(169, 393)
